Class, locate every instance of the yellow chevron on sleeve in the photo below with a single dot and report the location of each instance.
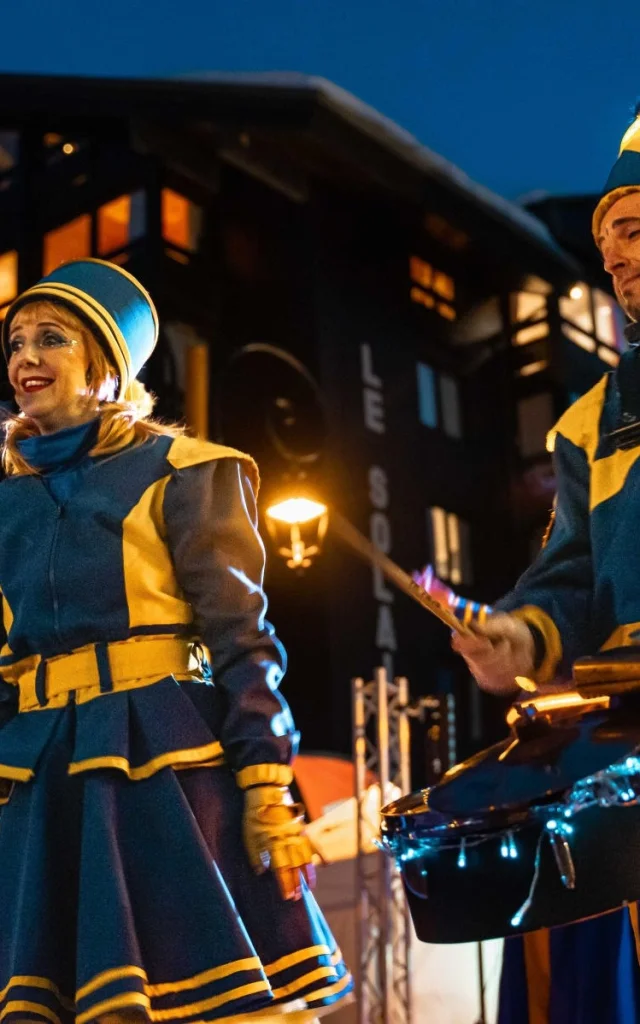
(192, 451)
(608, 476)
(580, 423)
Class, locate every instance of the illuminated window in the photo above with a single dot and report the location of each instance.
(450, 546)
(608, 355)
(529, 306)
(181, 220)
(535, 419)
(609, 320)
(422, 298)
(430, 286)
(585, 341)
(532, 333)
(69, 242)
(438, 401)
(8, 276)
(530, 368)
(120, 222)
(445, 232)
(576, 307)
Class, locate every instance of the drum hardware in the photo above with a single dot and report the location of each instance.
(557, 805)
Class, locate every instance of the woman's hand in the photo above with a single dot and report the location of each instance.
(274, 837)
(498, 651)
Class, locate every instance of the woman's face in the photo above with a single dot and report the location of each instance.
(48, 366)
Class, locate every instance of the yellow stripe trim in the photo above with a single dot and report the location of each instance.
(31, 981)
(106, 977)
(635, 925)
(152, 590)
(295, 958)
(306, 979)
(194, 756)
(250, 963)
(631, 138)
(622, 636)
(7, 771)
(530, 613)
(18, 1006)
(207, 1004)
(117, 1003)
(330, 990)
(193, 451)
(538, 970)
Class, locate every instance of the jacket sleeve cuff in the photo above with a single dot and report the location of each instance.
(264, 774)
(549, 652)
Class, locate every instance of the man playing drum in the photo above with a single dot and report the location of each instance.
(581, 594)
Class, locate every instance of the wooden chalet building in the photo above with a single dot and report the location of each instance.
(344, 304)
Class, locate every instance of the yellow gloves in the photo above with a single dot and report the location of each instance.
(273, 828)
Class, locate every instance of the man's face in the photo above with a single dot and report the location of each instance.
(619, 243)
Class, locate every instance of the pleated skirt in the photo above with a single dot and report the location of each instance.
(137, 895)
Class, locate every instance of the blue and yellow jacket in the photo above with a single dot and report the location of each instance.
(582, 593)
(155, 552)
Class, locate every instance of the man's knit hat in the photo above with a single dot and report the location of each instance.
(625, 173)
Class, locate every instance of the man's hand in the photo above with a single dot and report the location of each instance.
(498, 651)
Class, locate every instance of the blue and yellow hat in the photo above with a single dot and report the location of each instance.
(113, 304)
(625, 173)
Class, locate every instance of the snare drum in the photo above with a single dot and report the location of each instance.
(540, 830)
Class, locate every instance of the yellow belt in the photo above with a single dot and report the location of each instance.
(102, 668)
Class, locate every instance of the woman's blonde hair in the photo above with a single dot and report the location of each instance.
(123, 421)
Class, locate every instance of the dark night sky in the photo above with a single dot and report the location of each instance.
(521, 95)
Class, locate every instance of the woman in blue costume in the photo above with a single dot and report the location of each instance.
(153, 863)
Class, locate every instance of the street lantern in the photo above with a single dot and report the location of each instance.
(297, 522)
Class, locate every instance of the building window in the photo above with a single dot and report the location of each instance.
(576, 307)
(533, 333)
(528, 306)
(181, 221)
(432, 288)
(609, 320)
(120, 222)
(450, 546)
(69, 242)
(535, 420)
(529, 369)
(445, 232)
(438, 401)
(608, 355)
(585, 341)
(530, 327)
(8, 277)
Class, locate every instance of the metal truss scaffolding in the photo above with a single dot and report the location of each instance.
(381, 748)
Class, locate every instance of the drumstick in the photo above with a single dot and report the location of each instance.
(370, 553)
